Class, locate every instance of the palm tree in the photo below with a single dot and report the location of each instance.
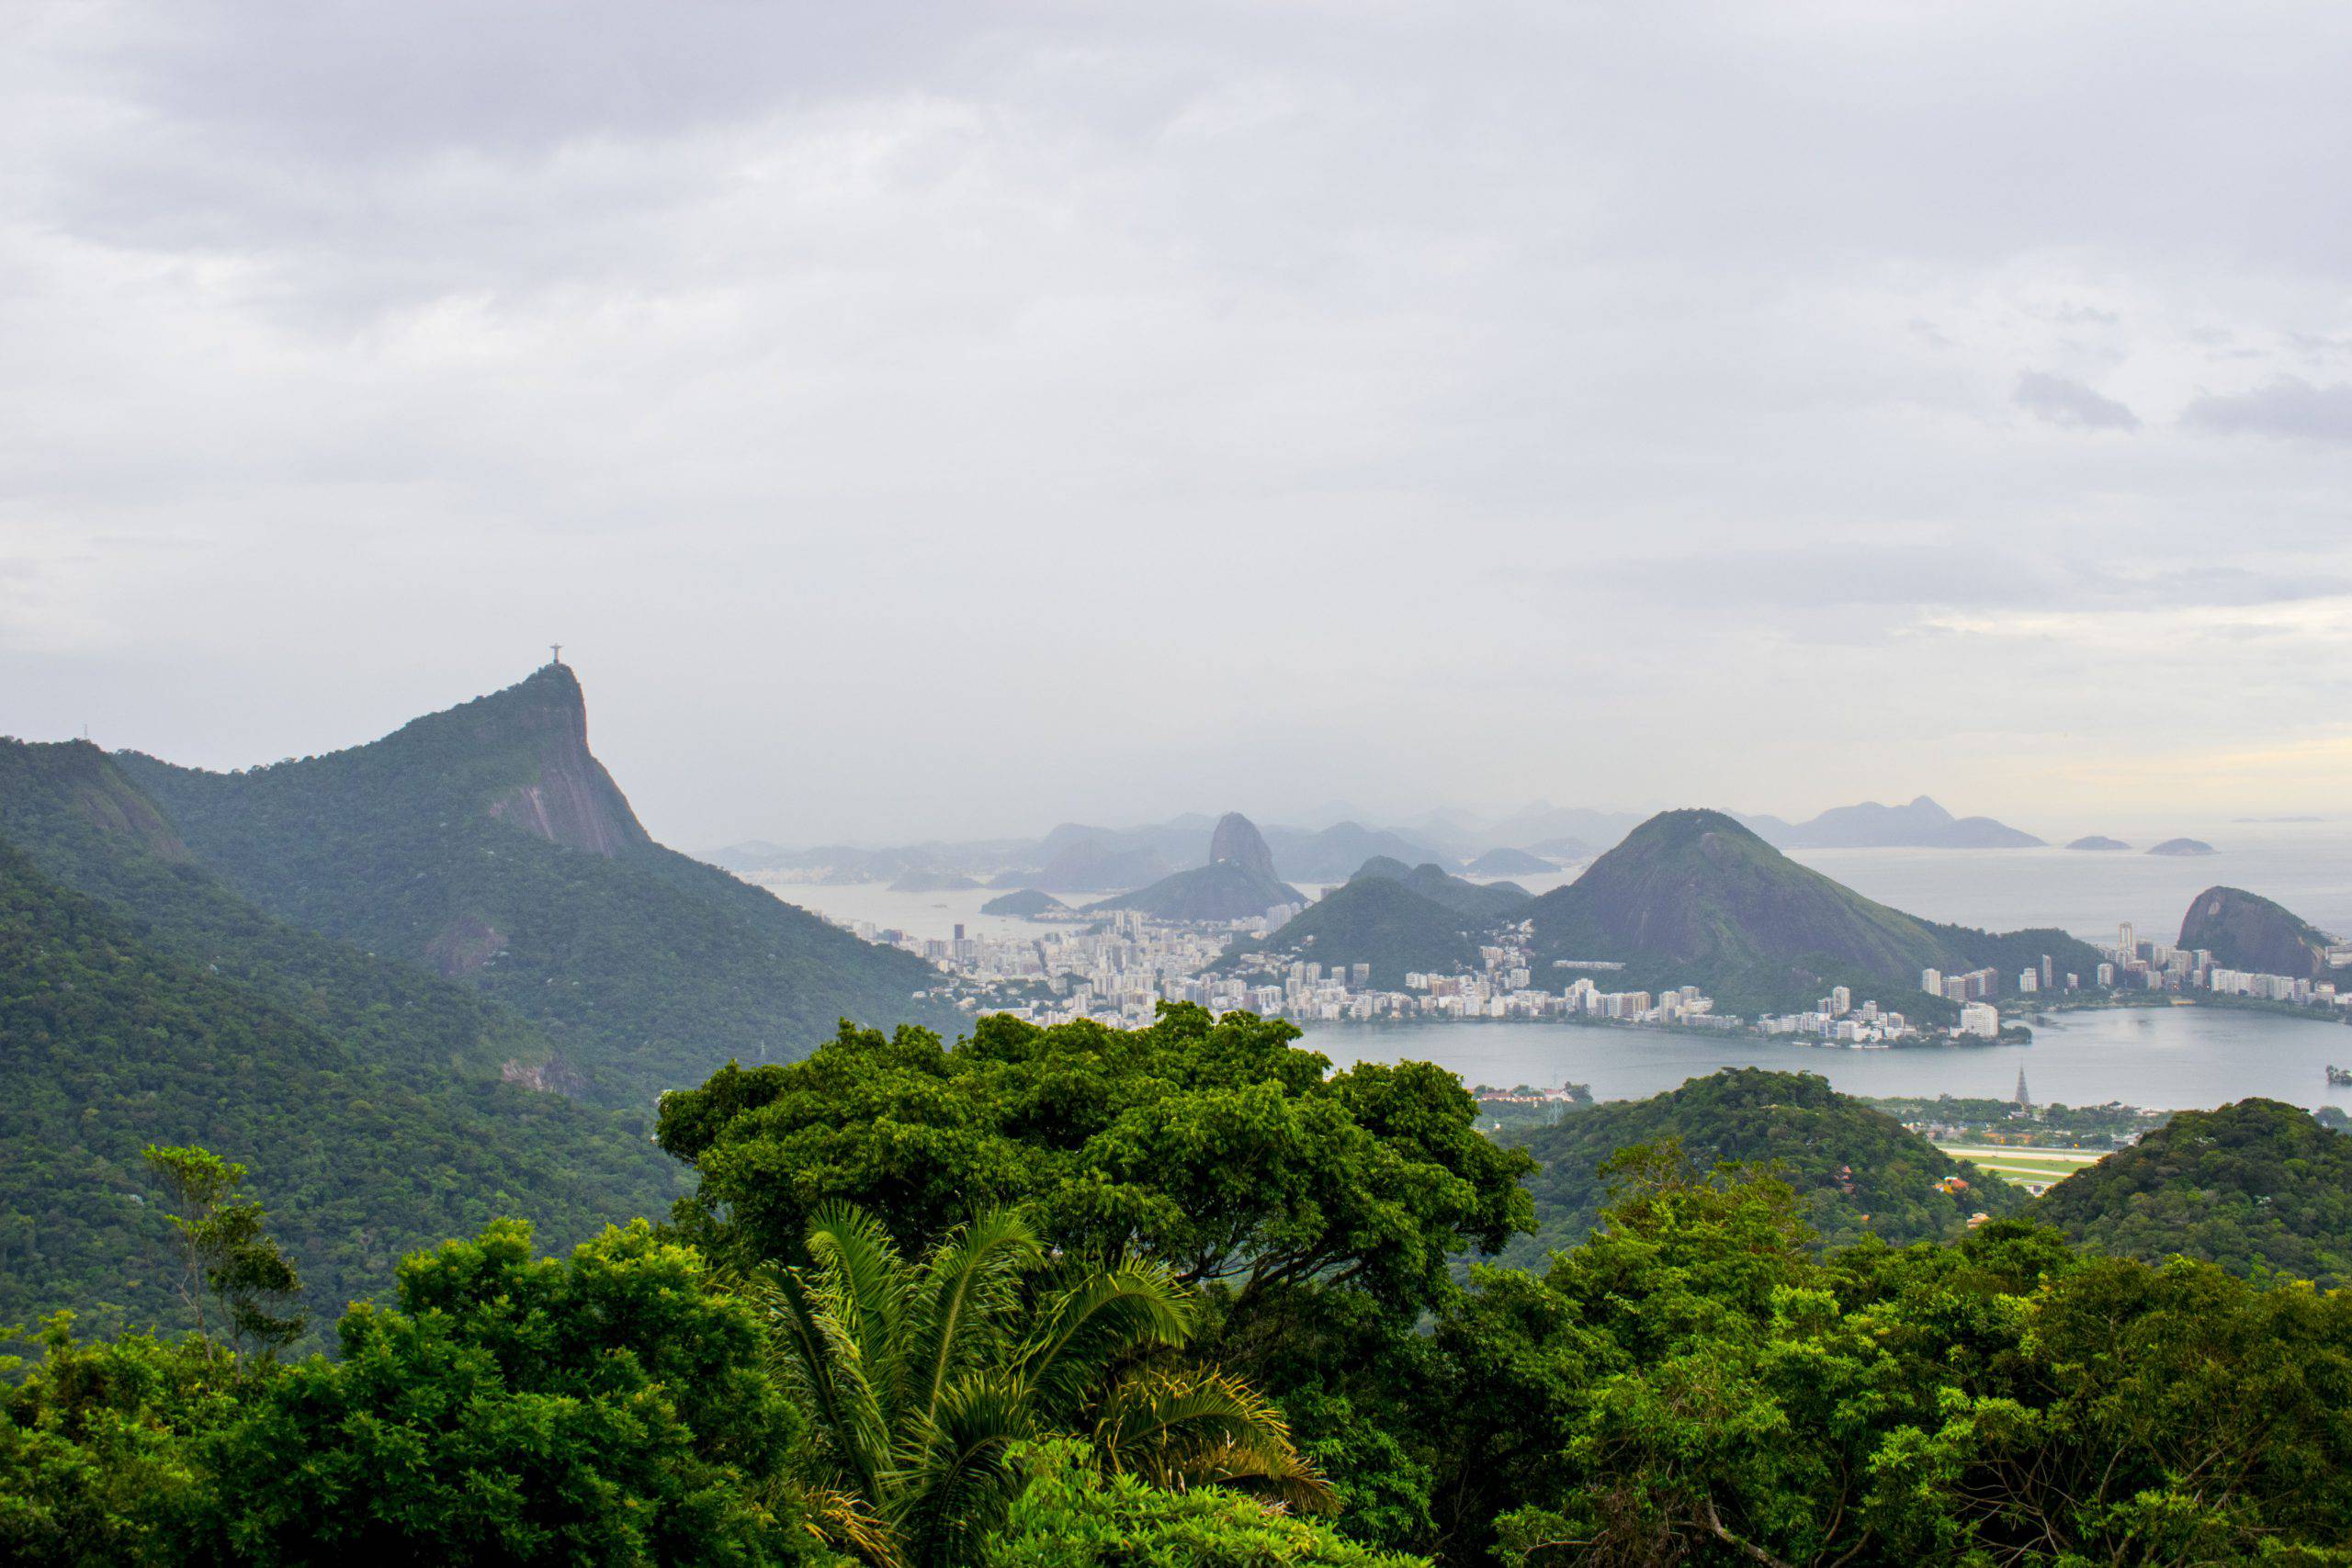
(922, 1379)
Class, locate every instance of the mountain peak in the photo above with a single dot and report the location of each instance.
(573, 801)
(525, 747)
(1237, 839)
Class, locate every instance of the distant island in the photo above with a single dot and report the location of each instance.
(1028, 904)
(1509, 862)
(2096, 842)
(1922, 825)
(932, 882)
(2183, 847)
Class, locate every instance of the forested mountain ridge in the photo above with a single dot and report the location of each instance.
(2258, 1183)
(1856, 1172)
(365, 1147)
(72, 812)
(486, 842)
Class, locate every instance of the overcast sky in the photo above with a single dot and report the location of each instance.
(951, 420)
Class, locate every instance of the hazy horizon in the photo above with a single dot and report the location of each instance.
(933, 422)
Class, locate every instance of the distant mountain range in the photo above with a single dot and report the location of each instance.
(1077, 858)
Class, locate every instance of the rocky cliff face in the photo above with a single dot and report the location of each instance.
(1237, 839)
(573, 801)
(2244, 930)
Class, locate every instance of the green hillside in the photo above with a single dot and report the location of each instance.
(2257, 1183)
(488, 844)
(82, 823)
(1694, 897)
(361, 1147)
(1856, 1172)
(1483, 902)
(1380, 922)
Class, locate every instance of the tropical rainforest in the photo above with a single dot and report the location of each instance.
(1185, 1295)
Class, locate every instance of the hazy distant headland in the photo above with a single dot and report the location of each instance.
(1082, 858)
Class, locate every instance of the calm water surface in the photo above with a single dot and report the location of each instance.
(2169, 1057)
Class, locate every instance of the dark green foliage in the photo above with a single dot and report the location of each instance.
(924, 1380)
(1692, 897)
(95, 1466)
(611, 1409)
(113, 1044)
(1696, 1380)
(1214, 1143)
(487, 842)
(1693, 1384)
(1844, 1160)
(1028, 902)
(81, 822)
(2254, 1185)
(1377, 921)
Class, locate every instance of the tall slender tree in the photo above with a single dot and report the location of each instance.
(225, 1256)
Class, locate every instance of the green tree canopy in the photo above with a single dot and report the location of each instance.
(1213, 1144)
(611, 1407)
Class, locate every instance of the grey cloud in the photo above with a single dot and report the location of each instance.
(2287, 406)
(2060, 400)
(874, 380)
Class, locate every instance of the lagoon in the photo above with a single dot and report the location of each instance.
(2167, 1058)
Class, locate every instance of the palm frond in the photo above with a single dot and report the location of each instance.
(818, 1361)
(962, 1476)
(863, 1287)
(1084, 1329)
(847, 1521)
(966, 1290)
(1198, 1427)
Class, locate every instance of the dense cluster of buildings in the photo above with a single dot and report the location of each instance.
(2133, 964)
(1118, 968)
(1836, 1020)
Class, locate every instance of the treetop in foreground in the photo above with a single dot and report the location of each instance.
(1215, 1143)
